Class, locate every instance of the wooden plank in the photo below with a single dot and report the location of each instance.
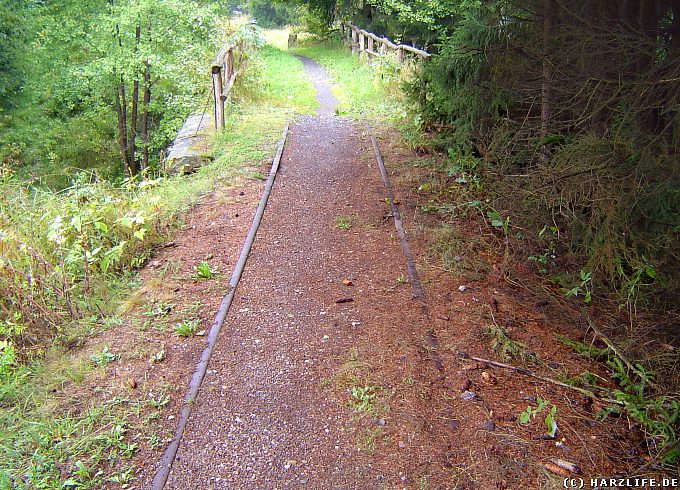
(416, 51)
(219, 59)
(389, 43)
(219, 102)
(229, 70)
(230, 85)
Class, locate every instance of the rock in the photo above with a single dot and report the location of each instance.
(489, 425)
(402, 445)
(183, 156)
(454, 424)
(380, 422)
(462, 288)
(347, 282)
(468, 395)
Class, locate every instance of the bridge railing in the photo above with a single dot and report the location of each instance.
(223, 77)
(362, 41)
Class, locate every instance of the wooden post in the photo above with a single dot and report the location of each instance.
(230, 63)
(354, 40)
(383, 47)
(370, 46)
(217, 95)
(400, 54)
(362, 43)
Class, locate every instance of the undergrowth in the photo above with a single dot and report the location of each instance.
(658, 414)
(373, 89)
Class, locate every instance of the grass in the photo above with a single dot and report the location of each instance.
(186, 328)
(56, 431)
(343, 222)
(373, 89)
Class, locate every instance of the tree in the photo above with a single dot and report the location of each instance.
(146, 47)
(11, 42)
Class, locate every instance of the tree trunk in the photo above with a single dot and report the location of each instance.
(546, 103)
(144, 129)
(132, 152)
(122, 138)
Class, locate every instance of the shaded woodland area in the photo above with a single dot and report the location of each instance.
(568, 113)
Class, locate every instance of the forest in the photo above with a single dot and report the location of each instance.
(560, 119)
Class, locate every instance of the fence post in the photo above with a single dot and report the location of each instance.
(217, 95)
(383, 47)
(400, 54)
(354, 40)
(370, 46)
(362, 43)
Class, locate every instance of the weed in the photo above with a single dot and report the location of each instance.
(370, 439)
(343, 222)
(363, 398)
(104, 358)
(203, 271)
(158, 357)
(186, 328)
(550, 420)
(659, 415)
(507, 348)
(159, 401)
(498, 222)
(157, 309)
(257, 175)
(583, 288)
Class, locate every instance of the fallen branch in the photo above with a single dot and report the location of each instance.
(609, 343)
(527, 372)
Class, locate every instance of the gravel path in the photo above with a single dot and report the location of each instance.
(263, 418)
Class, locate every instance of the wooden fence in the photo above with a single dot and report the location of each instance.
(375, 46)
(223, 78)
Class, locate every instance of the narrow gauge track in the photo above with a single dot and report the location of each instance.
(163, 471)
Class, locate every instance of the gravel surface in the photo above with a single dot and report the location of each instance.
(263, 418)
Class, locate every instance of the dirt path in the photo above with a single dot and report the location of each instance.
(263, 418)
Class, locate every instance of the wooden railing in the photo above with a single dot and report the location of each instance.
(375, 46)
(223, 77)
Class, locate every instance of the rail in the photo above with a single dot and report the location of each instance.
(376, 46)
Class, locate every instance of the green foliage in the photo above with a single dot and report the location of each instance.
(204, 271)
(359, 87)
(272, 14)
(185, 328)
(343, 222)
(12, 44)
(64, 119)
(583, 289)
(507, 348)
(363, 398)
(659, 415)
(550, 418)
(104, 357)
